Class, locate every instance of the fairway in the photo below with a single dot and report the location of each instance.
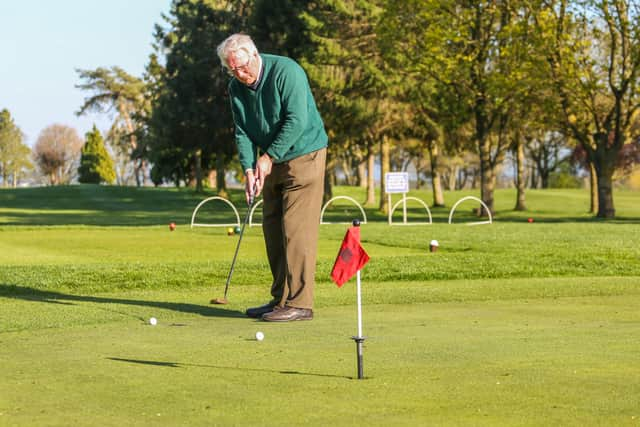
(514, 323)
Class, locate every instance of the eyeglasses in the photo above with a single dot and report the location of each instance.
(244, 68)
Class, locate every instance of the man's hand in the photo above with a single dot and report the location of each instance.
(263, 169)
(251, 184)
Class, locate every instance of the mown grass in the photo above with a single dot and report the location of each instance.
(514, 323)
(127, 206)
(103, 259)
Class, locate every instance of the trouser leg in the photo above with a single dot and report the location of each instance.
(273, 237)
(291, 222)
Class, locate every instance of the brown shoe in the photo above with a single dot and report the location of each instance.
(257, 312)
(288, 314)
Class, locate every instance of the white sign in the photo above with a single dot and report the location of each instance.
(396, 182)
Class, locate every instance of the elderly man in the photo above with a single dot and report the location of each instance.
(282, 147)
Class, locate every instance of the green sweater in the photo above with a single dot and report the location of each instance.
(279, 117)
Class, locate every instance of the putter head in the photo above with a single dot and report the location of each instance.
(219, 301)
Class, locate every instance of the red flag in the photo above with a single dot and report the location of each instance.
(350, 259)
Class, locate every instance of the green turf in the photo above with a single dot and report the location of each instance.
(94, 361)
(118, 206)
(515, 323)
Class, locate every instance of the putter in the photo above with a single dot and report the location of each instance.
(224, 300)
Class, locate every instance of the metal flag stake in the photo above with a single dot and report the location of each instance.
(359, 339)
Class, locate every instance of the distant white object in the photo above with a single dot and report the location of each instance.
(153, 321)
(433, 243)
(259, 336)
(486, 208)
(364, 215)
(396, 182)
(404, 210)
(222, 199)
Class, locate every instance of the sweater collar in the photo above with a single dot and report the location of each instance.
(255, 84)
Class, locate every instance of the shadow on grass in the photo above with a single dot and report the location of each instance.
(51, 297)
(180, 365)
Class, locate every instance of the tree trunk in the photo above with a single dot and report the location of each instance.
(604, 173)
(603, 158)
(143, 171)
(544, 177)
(605, 195)
(140, 165)
(461, 181)
(436, 183)
(197, 160)
(453, 177)
(418, 169)
(221, 181)
(384, 165)
(593, 181)
(371, 182)
(346, 169)
(136, 172)
(520, 179)
(362, 174)
(487, 177)
(533, 177)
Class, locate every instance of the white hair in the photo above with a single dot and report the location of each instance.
(236, 44)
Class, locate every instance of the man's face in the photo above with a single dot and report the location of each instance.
(245, 68)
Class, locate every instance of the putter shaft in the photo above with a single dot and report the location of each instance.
(235, 255)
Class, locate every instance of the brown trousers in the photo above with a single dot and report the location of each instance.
(292, 196)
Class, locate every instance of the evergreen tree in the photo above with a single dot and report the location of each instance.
(190, 128)
(96, 165)
(277, 26)
(356, 94)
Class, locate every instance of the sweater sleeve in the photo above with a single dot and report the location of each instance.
(247, 151)
(294, 90)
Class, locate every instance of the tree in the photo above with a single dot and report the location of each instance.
(471, 51)
(594, 63)
(14, 154)
(190, 130)
(354, 90)
(117, 144)
(115, 89)
(96, 166)
(277, 26)
(545, 152)
(428, 126)
(57, 152)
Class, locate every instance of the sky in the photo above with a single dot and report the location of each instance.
(43, 42)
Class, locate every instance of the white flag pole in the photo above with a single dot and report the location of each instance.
(359, 339)
(359, 298)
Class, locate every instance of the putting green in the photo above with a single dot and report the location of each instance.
(566, 361)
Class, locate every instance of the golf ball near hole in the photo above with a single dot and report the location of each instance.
(153, 321)
(259, 336)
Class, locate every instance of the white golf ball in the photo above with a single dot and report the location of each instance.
(153, 321)
(259, 336)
